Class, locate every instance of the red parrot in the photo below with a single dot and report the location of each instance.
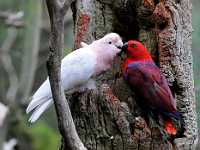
(149, 84)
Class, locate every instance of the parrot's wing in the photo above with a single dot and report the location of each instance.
(151, 85)
(77, 68)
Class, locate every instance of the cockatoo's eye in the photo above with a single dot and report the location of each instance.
(110, 42)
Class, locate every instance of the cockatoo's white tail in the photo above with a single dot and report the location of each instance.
(41, 100)
(39, 110)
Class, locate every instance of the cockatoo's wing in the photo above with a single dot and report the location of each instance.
(76, 69)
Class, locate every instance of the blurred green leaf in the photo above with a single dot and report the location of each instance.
(44, 137)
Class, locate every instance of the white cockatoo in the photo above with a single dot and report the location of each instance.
(77, 70)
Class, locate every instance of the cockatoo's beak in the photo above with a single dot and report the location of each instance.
(119, 47)
(123, 49)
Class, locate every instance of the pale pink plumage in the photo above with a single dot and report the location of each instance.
(77, 68)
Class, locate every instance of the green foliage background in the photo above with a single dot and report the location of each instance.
(44, 137)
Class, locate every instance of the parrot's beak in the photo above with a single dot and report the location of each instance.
(119, 47)
(125, 46)
(123, 49)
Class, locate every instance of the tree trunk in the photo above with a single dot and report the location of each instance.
(108, 118)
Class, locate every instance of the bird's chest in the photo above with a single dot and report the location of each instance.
(103, 64)
(132, 78)
(134, 75)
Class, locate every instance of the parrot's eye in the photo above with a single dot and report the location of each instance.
(133, 46)
(110, 42)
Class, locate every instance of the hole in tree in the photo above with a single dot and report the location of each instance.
(126, 23)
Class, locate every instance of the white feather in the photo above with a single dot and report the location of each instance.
(77, 68)
(10, 145)
(83, 44)
(40, 96)
(39, 110)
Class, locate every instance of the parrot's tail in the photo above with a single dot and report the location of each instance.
(169, 127)
(38, 106)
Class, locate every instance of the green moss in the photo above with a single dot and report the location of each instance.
(67, 51)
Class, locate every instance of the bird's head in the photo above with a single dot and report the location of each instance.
(135, 49)
(111, 42)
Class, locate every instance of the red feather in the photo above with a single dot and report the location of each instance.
(145, 78)
(149, 84)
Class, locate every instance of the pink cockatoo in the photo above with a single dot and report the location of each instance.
(77, 71)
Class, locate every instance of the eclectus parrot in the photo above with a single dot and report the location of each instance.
(149, 84)
(77, 70)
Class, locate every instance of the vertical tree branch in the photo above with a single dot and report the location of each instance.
(13, 22)
(8, 65)
(65, 121)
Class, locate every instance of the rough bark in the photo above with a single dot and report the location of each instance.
(67, 128)
(109, 118)
(175, 40)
